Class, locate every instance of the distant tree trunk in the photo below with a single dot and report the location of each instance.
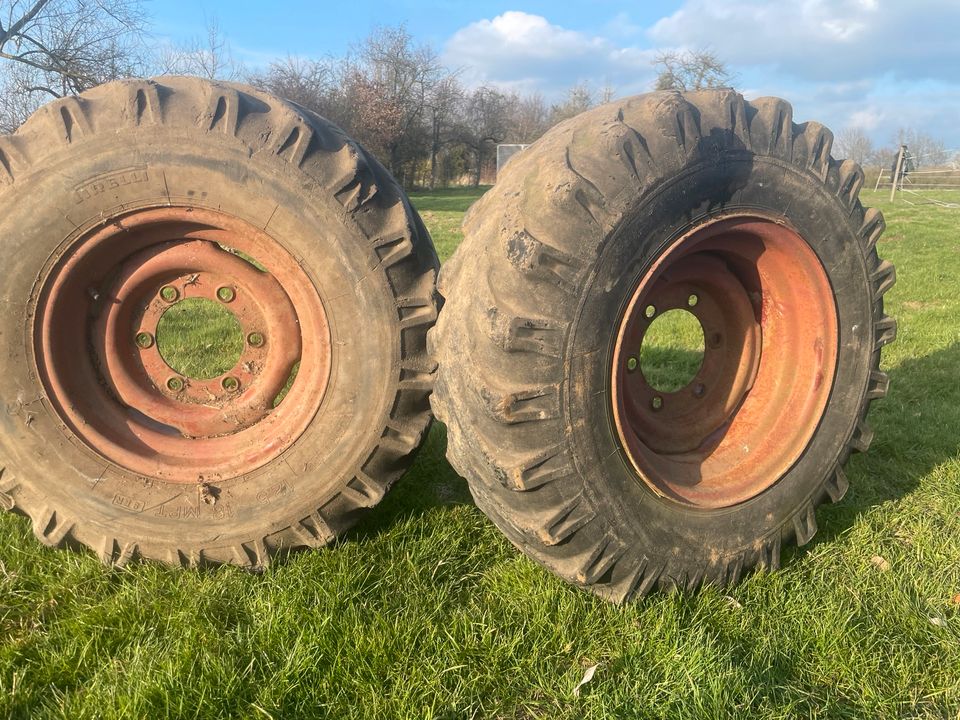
(476, 176)
(434, 151)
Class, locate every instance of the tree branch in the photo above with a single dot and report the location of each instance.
(22, 22)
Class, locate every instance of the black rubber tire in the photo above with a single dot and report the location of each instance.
(336, 210)
(535, 292)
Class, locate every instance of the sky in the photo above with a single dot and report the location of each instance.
(879, 65)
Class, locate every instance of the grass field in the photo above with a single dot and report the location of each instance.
(425, 611)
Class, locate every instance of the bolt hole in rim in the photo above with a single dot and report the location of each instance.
(123, 399)
(769, 323)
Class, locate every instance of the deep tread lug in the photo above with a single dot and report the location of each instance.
(566, 521)
(539, 470)
(837, 485)
(878, 386)
(851, 181)
(805, 524)
(770, 553)
(600, 560)
(862, 437)
(539, 260)
(872, 228)
(883, 278)
(886, 331)
(521, 406)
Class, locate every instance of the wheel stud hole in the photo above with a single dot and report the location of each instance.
(699, 390)
(672, 351)
(199, 339)
(657, 402)
(169, 293)
(693, 300)
(649, 311)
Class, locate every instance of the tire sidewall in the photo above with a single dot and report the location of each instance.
(45, 211)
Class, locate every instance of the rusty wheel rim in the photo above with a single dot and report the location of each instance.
(769, 320)
(97, 355)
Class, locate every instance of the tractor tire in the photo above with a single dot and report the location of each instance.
(701, 202)
(118, 205)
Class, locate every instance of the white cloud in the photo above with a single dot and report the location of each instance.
(824, 39)
(875, 64)
(517, 50)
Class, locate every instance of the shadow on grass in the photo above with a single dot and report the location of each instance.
(917, 428)
(430, 483)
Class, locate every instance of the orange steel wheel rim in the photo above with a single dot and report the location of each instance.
(769, 322)
(96, 351)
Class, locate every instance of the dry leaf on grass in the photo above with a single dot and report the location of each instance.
(880, 563)
(587, 677)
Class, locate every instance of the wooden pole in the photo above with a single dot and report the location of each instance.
(879, 178)
(896, 173)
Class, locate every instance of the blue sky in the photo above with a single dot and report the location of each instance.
(875, 64)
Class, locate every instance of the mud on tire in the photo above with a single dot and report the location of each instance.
(540, 299)
(139, 194)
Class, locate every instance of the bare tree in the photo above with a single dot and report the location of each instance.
(308, 83)
(854, 144)
(442, 105)
(377, 119)
(529, 118)
(407, 75)
(209, 57)
(923, 150)
(579, 99)
(71, 45)
(691, 70)
(52, 48)
(607, 93)
(484, 120)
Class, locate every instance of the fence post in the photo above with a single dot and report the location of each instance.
(896, 173)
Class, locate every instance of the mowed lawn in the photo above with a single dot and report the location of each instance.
(425, 611)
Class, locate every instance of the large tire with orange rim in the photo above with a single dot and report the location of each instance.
(118, 206)
(699, 201)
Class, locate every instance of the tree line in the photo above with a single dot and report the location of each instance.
(392, 94)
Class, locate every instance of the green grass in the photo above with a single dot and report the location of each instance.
(425, 611)
(442, 212)
(199, 338)
(672, 350)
